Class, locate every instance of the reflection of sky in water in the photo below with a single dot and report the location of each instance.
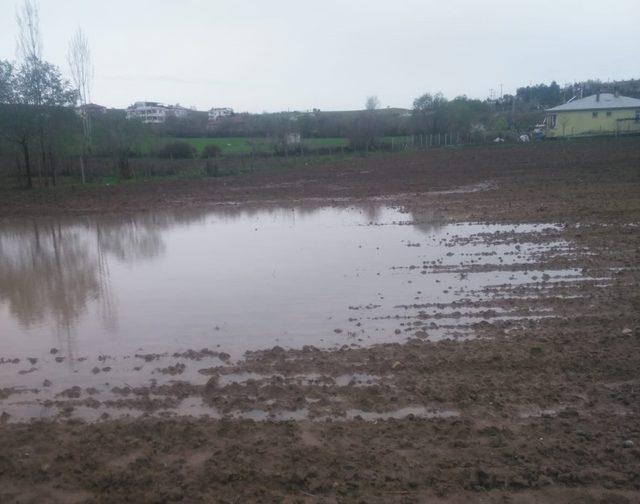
(239, 279)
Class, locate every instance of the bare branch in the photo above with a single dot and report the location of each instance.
(79, 59)
(29, 39)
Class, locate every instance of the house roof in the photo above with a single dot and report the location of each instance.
(606, 101)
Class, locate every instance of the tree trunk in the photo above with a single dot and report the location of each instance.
(124, 168)
(43, 166)
(27, 164)
(86, 144)
(82, 168)
(52, 167)
(18, 171)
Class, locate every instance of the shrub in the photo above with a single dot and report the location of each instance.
(211, 150)
(211, 169)
(177, 150)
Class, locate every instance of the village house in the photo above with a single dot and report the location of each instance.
(154, 112)
(292, 138)
(598, 114)
(90, 109)
(216, 114)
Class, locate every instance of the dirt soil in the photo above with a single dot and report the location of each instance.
(542, 411)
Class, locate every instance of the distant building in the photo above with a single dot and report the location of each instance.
(154, 112)
(91, 109)
(598, 114)
(216, 114)
(293, 138)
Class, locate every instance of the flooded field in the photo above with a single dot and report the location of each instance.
(466, 328)
(240, 281)
(110, 304)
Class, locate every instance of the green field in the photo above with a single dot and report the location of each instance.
(231, 146)
(325, 142)
(242, 145)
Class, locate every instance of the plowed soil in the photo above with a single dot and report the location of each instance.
(544, 411)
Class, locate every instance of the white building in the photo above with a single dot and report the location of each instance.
(293, 138)
(178, 111)
(220, 113)
(90, 109)
(154, 112)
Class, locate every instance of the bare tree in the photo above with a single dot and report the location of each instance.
(29, 44)
(38, 92)
(372, 103)
(29, 39)
(364, 129)
(79, 59)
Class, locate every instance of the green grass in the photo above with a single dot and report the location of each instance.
(242, 145)
(230, 145)
(397, 139)
(325, 142)
(234, 146)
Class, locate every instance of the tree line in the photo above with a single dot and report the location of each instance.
(432, 113)
(40, 125)
(45, 121)
(35, 99)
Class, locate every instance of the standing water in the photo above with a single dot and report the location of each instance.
(111, 302)
(235, 279)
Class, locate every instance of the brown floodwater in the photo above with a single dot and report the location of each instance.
(233, 279)
(86, 301)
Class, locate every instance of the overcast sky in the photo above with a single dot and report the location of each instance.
(270, 55)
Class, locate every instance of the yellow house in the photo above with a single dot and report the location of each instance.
(599, 114)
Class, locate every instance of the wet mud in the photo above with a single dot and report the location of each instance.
(520, 384)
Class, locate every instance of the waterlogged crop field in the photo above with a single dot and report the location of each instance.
(446, 326)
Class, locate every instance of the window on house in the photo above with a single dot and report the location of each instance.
(608, 113)
(638, 116)
(594, 114)
(551, 121)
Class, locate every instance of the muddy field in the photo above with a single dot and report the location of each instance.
(521, 389)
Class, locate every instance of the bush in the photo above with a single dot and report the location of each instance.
(177, 150)
(209, 151)
(211, 169)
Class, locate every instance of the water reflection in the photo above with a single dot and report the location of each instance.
(47, 269)
(55, 272)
